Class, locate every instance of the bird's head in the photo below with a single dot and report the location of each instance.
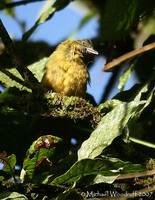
(75, 49)
(84, 47)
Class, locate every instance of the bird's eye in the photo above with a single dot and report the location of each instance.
(83, 42)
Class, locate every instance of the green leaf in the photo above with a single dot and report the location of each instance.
(8, 11)
(41, 151)
(46, 15)
(37, 68)
(110, 127)
(104, 167)
(12, 195)
(112, 124)
(13, 92)
(109, 105)
(1, 178)
(119, 17)
(124, 78)
(9, 163)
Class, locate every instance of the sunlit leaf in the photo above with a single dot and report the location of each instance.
(112, 124)
(9, 163)
(124, 78)
(39, 152)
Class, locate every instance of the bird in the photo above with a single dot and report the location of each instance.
(66, 70)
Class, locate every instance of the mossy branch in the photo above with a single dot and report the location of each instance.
(71, 107)
(56, 105)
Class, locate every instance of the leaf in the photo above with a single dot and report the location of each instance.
(46, 15)
(112, 124)
(36, 68)
(12, 92)
(109, 105)
(119, 17)
(104, 167)
(8, 11)
(124, 78)
(12, 195)
(39, 152)
(1, 178)
(9, 163)
(110, 127)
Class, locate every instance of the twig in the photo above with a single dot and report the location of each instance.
(111, 65)
(17, 59)
(18, 80)
(13, 4)
(136, 175)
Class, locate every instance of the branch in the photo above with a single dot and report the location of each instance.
(136, 175)
(56, 105)
(73, 107)
(110, 66)
(13, 4)
(18, 80)
(17, 59)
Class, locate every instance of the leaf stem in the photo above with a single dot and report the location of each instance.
(144, 143)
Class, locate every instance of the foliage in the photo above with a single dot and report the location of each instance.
(114, 139)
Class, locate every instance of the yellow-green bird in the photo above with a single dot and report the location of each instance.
(66, 71)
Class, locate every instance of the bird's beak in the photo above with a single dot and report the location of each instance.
(92, 51)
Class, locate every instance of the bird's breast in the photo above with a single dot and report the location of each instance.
(69, 78)
(75, 81)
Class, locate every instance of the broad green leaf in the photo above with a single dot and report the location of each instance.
(104, 167)
(41, 151)
(124, 78)
(112, 124)
(46, 15)
(110, 127)
(12, 195)
(36, 68)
